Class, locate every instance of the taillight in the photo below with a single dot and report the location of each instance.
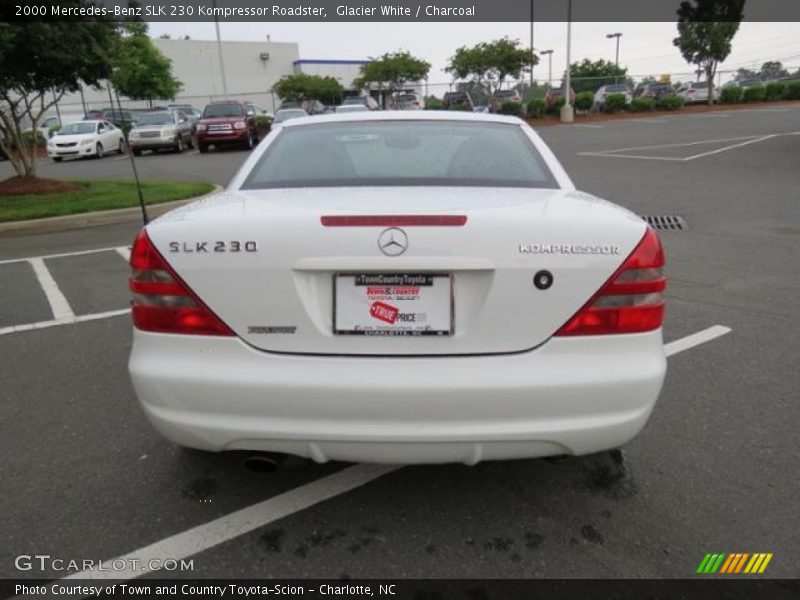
(162, 302)
(632, 301)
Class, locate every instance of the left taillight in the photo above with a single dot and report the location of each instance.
(162, 302)
(632, 300)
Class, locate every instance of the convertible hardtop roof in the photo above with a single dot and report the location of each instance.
(405, 115)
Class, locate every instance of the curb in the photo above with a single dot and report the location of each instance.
(93, 219)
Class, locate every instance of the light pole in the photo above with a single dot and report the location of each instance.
(615, 35)
(567, 113)
(549, 54)
(219, 51)
(532, 55)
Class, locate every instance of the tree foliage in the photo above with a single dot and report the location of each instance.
(300, 87)
(140, 70)
(773, 69)
(489, 64)
(588, 75)
(40, 61)
(392, 71)
(705, 31)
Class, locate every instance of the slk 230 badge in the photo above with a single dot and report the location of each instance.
(215, 246)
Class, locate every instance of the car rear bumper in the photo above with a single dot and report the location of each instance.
(571, 396)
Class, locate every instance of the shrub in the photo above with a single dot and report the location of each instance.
(30, 138)
(731, 94)
(669, 103)
(792, 90)
(754, 94)
(614, 103)
(642, 104)
(584, 101)
(536, 108)
(433, 103)
(462, 106)
(775, 91)
(511, 108)
(557, 104)
(263, 124)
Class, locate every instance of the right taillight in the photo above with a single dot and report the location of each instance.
(631, 301)
(162, 302)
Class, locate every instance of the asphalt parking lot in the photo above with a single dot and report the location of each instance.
(85, 476)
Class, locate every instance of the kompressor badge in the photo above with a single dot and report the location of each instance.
(569, 249)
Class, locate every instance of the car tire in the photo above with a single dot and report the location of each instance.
(58, 158)
(248, 143)
(179, 145)
(137, 152)
(98, 150)
(121, 147)
(192, 142)
(202, 148)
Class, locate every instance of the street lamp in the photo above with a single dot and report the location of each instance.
(615, 35)
(549, 54)
(567, 112)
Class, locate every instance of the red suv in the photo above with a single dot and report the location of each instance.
(227, 122)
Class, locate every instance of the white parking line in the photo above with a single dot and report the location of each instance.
(587, 126)
(70, 321)
(690, 341)
(124, 252)
(225, 528)
(9, 261)
(58, 303)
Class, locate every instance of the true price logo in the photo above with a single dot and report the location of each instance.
(384, 312)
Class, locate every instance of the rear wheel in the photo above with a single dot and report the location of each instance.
(203, 148)
(98, 150)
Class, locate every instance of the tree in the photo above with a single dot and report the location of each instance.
(588, 75)
(392, 70)
(773, 69)
(300, 87)
(705, 31)
(40, 61)
(742, 74)
(140, 71)
(489, 64)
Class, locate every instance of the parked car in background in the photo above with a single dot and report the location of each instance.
(85, 138)
(500, 97)
(164, 130)
(121, 117)
(407, 101)
(367, 101)
(606, 90)
(554, 94)
(453, 99)
(192, 113)
(654, 90)
(285, 114)
(228, 122)
(696, 91)
(348, 108)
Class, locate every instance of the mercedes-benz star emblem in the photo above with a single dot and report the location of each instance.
(393, 241)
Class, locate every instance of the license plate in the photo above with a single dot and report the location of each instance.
(393, 304)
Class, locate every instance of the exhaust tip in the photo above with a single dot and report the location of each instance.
(262, 463)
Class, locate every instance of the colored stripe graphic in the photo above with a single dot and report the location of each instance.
(736, 562)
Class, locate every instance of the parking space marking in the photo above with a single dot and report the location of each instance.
(69, 321)
(222, 529)
(587, 126)
(741, 141)
(8, 261)
(690, 341)
(124, 252)
(58, 303)
(242, 521)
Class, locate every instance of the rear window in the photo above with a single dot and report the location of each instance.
(223, 110)
(401, 153)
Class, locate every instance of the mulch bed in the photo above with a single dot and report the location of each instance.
(548, 120)
(23, 186)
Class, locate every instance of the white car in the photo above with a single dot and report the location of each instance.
(607, 90)
(696, 91)
(85, 138)
(368, 288)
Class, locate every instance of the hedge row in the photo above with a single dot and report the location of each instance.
(777, 90)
